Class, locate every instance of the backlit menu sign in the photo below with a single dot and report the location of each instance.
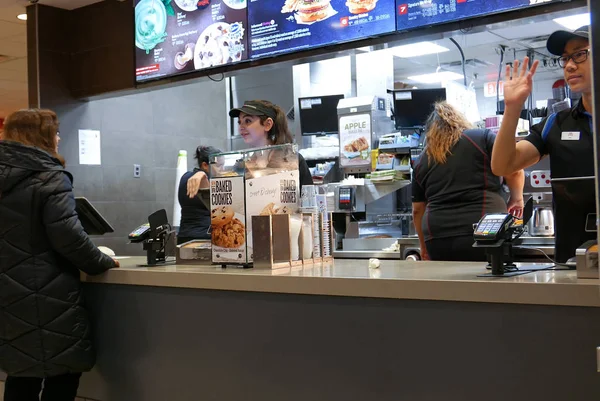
(416, 13)
(281, 26)
(178, 36)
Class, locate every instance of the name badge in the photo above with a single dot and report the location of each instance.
(570, 135)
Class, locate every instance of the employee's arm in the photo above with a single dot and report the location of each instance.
(508, 156)
(515, 183)
(196, 182)
(418, 211)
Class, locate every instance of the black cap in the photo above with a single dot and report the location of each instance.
(253, 108)
(559, 39)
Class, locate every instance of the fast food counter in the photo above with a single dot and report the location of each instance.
(441, 281)
(341, 332)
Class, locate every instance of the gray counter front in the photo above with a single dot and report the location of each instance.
(407, 331)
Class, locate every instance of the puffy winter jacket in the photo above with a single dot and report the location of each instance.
(44, 326)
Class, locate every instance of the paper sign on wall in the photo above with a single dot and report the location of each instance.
(89, 147)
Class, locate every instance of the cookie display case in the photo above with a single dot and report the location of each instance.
(252, 182)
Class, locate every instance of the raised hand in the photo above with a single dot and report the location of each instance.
(518, 82)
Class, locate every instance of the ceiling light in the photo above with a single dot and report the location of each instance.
(574, 21)
(22, 17)
(417, 49)
(436, 77)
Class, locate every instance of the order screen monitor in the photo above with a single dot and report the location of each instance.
(92, 221)
(318, 114)
(412, 107)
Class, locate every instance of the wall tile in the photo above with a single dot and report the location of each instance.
(128, 113)
(88, 181)
(126, 147)
(166, 149)
(125, 216)
(120, 185)
(164, 183)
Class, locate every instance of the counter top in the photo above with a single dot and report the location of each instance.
(441, 281)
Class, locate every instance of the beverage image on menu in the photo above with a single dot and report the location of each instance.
(178, 36)
(416, 13)
(280, 26)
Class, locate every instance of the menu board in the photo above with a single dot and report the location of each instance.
(178, 36)
(282, 26)
(416, 13)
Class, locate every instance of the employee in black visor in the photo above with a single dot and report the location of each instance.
(566, 137)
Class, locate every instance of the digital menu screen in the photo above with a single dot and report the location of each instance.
(281, 26)
(178, 36)
(416, 13)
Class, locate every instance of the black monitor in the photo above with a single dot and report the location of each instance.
(318, 114)
(413, 106)
(92, 221)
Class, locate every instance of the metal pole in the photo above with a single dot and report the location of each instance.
(594, 8)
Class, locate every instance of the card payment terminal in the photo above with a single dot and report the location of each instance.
(492, 227)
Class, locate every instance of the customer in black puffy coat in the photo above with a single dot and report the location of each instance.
(45, 333)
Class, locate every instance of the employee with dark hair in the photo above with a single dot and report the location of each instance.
(195, 216)
(261, 124)
(566, 137)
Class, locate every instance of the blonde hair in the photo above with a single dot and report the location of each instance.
(445, 125)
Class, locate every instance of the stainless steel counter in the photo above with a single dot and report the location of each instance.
(525, 248)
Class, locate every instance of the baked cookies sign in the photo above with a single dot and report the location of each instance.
(355, 140)
(228, 222)
(268, 195)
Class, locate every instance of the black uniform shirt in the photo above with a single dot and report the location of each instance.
(461, 191)
(566, 137)
(195, 217)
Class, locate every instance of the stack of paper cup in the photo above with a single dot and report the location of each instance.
(326, 234)
(308, 197)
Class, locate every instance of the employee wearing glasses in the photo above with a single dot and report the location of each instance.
(566, 137)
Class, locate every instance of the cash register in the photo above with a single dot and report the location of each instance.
(157, 237)
(92, 221)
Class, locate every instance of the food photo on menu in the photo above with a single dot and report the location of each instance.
(280, 26)
(416, 13)
(178, 36)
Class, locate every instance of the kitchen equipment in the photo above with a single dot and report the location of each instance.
(542, 222)
(586, 258)
(194, 252)
(540, 179)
